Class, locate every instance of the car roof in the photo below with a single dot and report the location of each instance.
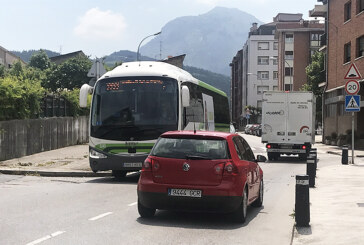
(197, 134)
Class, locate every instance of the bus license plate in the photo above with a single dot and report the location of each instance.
(184, 193)
(133, 164)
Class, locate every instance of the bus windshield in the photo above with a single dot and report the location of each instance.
(134, 108)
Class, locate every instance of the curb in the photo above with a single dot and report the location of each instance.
(54, 174)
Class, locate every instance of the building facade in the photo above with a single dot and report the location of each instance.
(7, 58)
(253, 71)
(298, 40)
(344, 47)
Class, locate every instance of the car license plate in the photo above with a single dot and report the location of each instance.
(133, 164)
(184, 193)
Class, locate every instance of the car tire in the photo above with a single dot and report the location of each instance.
(145, 212)
(239, 215)
(259, 202)
(119, 173)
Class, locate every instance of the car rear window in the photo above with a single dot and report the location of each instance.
(190, 148)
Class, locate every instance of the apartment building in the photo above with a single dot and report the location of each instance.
(298, 40)
(343, 45)
(253, 71)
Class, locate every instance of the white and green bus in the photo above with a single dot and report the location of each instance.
(135, 103)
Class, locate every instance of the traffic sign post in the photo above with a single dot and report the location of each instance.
(352, 101)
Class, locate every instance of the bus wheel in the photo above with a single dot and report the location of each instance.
(119, 173)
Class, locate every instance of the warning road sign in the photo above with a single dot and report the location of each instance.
(352, 103)
(352, 73)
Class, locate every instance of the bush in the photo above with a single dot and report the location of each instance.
(72, 96)
(19, 98)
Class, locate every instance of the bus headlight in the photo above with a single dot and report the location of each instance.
(96, 154)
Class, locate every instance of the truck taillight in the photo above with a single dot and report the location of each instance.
(269, 146)
(304, 147)
(230, 168)
(147, 165)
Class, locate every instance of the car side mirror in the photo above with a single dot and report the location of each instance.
(261, 158)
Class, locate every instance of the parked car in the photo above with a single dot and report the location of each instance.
(201, 171)
(257, 130)
(247, 128)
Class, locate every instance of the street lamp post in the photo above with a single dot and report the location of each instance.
(261, 84)
(155, 34)
(290, 72)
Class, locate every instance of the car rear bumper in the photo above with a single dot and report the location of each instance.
(216, 204)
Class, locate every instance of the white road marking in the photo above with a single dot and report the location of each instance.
(46, 238)
(132, 204)
(100, 216)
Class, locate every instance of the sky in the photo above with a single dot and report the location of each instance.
(101, 27)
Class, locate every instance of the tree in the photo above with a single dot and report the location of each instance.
(315, 75)
(70, 74)
(40, 60)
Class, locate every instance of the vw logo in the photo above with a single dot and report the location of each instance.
(186, 167)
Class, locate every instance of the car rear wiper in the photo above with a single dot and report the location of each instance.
(194, 157)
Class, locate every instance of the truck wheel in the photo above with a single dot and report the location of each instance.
(145, 212)
(119, 173)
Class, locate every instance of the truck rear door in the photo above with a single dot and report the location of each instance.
(299, 118)
(274, 117)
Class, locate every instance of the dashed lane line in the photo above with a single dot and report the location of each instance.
(132, 204)
(57, 233)
(100, 216)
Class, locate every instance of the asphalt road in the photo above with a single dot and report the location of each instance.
(40, 210)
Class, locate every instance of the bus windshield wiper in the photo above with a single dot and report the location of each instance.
(195, 157)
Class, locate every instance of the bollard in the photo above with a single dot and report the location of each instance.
(313, 151)
(344, 155)
(311, 170)
(302, 206)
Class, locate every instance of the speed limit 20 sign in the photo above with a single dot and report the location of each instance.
(352, 87)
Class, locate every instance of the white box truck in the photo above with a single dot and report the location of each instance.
(288, 123)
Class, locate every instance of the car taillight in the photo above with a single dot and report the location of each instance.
(269, 146)
(219, 168)
(304, 147)
(230, 168)
(147, 165)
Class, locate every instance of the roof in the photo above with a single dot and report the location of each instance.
(62, 58)
(300, 26)
(197, 134)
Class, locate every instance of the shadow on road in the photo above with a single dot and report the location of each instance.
(194, 220)
(131, 178)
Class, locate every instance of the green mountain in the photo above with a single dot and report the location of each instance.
(27, 54)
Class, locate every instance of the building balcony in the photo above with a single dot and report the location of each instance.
(318, 11)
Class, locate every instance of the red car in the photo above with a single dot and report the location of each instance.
(201, 171)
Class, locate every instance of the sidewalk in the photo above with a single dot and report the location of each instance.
(69, 161)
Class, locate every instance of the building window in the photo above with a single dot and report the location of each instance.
(347, 52)
(360, 46)
(288, 71)
(289, 38)
(261, 89)
(315, 40)
(264, 75)
(263, 45)
(287, 87)
(275, 75)
(263, 60)
(347, 11)
(275, 60)
(288, 55)
(275, 44)
(259, 104)
(360, 6)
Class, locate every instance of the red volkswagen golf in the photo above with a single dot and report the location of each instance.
(201, 171)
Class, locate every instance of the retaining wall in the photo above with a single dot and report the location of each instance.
(25, 137)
